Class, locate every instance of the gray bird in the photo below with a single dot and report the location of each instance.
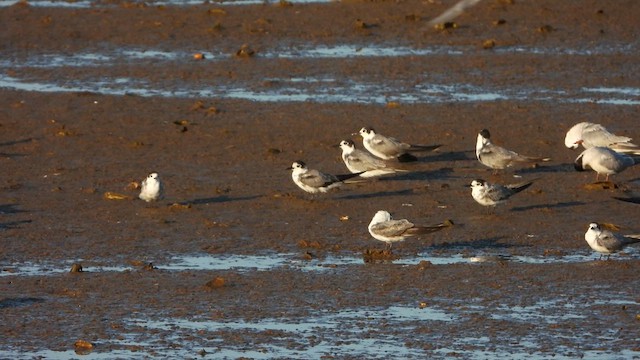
(497, 157)
(591, 135)
(606, 242)
(388, 148)
(383, 228)
(604, 161)
(314, 181)
(487, 194)
(360, 161)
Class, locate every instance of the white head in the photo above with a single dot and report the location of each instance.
(592, 232)
(153, 176)
(478, 184)
(573, 139)
(381, 216)
(297, 166)
(347, 146)
(367, 132)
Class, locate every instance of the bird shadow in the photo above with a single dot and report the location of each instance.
(633, 200)
(376, 195)
(10, 209)
(447, 156)
(218, 199)
(420, 175)
(559, 205)
(19, 302)
(548, 169)
(13, 224)
(15, 142)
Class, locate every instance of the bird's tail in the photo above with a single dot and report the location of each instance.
(344, 177)
(521, 186)
(626, 148)
(429, 229)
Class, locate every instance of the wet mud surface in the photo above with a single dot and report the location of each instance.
(243, 263)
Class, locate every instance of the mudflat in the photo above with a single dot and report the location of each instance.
(236, 261)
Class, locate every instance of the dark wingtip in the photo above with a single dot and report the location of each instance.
(635, 200)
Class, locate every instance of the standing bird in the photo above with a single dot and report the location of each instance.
(313, 181)
(383, 228)
(604, 160)
(360, 161)
(152, 188)
(591, 135)
(388, 148)
(606, 242)
(487, 194)
(497, 157)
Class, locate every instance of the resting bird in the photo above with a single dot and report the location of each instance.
(314, 181)
(487, 194)
(497, 157)
(606, 242)
(388, 148)
(591, 135)
(383, 228)
(360, 161)
(152, 188)
(604, 161)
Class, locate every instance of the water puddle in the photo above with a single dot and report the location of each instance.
(272, 261)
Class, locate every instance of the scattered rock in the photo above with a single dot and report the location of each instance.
(245, 51)
(115, 196)
(216, 283)
(76, 268)
(446, 26)
(149, 267)
(601, 185)
(376, 255)
(489, 44)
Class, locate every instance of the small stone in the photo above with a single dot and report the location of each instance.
(216, 283)
(76, 268)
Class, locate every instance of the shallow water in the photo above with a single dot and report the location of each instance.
(272, 261)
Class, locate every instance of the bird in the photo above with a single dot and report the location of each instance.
(604, 161)
(360, 161)
(152, 188)
(497, 157)
(382, 227)
(591, 135)
(453, 12)
(605, 241)
(314, 181)
(487, 194)
(388, 148)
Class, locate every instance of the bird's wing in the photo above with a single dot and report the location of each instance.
(498, 192)
(496, 156)
(315, 178)
(388, 145)
(365, 161)
(392, 228)
(598, 135)
(453, 12)
(610, 241)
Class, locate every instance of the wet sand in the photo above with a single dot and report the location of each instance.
(228, 195)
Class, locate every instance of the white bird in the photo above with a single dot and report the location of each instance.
(314, 181)
(383, 228)
(388, 148)
(360, 161)
(152, 188)
(487, 194)
(591, 135)
(497, 157)
(604, 161)
(605, 241)
(453, 12)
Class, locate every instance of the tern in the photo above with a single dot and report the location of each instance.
(606, 242)
(487, 194)
(497, 157)
(360, 161)
(383, 228)
(314, 181)
(604, 161)
(152, 188)
(591, 135)
(388, 148)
